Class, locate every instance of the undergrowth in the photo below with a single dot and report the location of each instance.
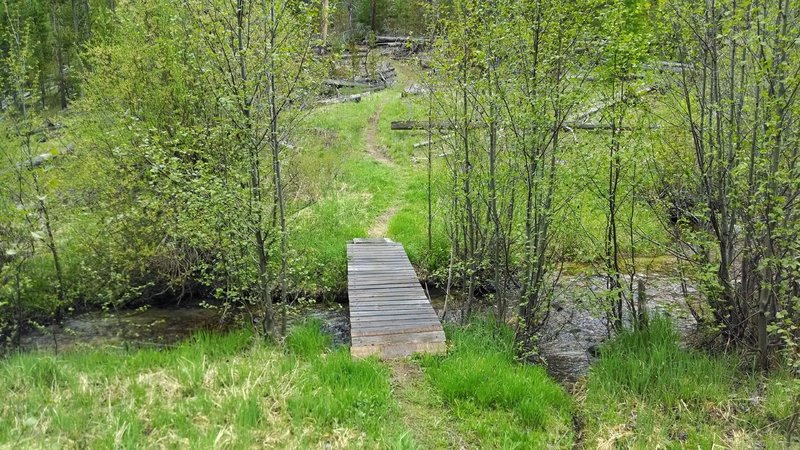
(647, 391)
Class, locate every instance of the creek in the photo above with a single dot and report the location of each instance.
(569, 341)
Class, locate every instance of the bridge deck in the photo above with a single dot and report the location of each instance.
(390, 315)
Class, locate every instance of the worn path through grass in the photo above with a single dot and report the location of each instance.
(423, 412)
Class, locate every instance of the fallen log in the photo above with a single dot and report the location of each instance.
(407, 125)
(414, 89)
(355, 98)
(421, 125)
(348, 83)
(572, 126)
(601, 106)
(668, 66)
(425, 143)
(400, 39)
(40, 159)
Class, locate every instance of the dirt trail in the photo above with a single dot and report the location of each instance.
(380, 227)
(423, 413)
(371, 138)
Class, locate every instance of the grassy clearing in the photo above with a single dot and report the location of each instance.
(354, 188)
(648, 392)
(211, 391)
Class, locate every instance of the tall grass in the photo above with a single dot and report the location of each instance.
(651, 363)
(307, 339)
(497, 399)
(334, 389)
(212, 390)
(648, 391)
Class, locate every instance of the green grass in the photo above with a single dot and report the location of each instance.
(651, 364)
(308, 340)
(646, 391)
(351, 189)
(499, 402)
(211, 391)
(233, 390)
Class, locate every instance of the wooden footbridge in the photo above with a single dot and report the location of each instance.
(390, 315)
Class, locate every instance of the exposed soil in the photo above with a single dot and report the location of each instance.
(381, 225)
(374, 149)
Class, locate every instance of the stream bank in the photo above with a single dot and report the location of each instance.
(568, 346)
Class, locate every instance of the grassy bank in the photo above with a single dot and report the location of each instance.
(232, 391)
(646, 391)
(211, 391)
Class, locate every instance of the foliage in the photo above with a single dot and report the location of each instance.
(735, 226)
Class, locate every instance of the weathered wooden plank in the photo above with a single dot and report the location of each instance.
(427, 336)
(387, 296)
(386, 261)
(383, 288)
(384, 285)
(385, 308)
(390, 313)
(413, 326)
(388, 303)
(361, 270)
(387, 324)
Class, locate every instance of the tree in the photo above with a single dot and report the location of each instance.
(29, 190)
(507, 78)
(193, 174)
(738, 84)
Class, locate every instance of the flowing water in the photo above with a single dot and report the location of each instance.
(163, 326)
(568, 345)
(577, 326)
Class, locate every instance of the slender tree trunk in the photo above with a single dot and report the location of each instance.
(430, 170)
(373, 6)
(324, 22)
(470, 219)
(256, 206)
(18, 301)
(276, 162)
(62, 78)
